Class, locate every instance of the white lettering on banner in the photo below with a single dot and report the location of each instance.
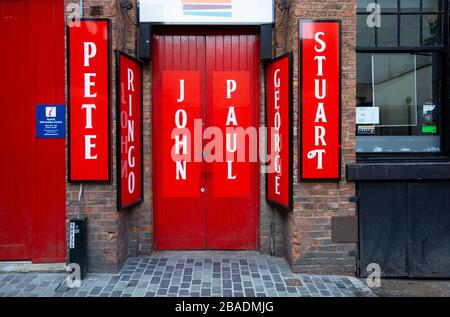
(231, 148)
(127, 121)
(231, 121)
(320, 60)
(276, 134)
(320, 93)
(231, 118)
(181, 170)
(320, 114)
(131, 158)
(181, 144)
(181, 99)
(231, 87)
(88, 146)
(90, 51)
(319, 154)
(319, 41)
(131, 182)
(130, 129)
(88, 83)
(181, 141)
(88, 108)
(131, 164)
(130, 80)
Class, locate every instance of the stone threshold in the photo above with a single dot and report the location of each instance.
(29, 267)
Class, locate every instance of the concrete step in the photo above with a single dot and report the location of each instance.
(29, 267)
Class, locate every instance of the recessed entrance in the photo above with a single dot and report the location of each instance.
(211, 77)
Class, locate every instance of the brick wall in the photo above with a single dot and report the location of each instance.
(304, 236)
(310, 246)
(107, 228)
(140, 219)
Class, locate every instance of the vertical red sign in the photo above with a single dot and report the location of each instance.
(129, 131)
(320, 101)
(231, 117)
(89, 56)
(279, 182)
(182, 119)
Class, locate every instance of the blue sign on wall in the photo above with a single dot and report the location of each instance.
(51, 121)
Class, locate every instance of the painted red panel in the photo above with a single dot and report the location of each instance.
(179, 217)
(278, 80)
(320, 58)
(217, 217)
(129, 141)
(182, 169)
(231, 115)
(233, 220)
(32, 182)
(89, 101)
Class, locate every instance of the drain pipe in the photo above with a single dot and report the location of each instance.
(282, 6)
(80, 193)
(78, 230)
(272, 233)
(81, 8)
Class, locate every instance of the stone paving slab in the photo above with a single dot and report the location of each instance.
(186, 274)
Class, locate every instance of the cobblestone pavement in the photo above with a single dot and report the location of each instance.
(189, 275)
(413, 288)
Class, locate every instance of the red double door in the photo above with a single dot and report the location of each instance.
(32, 170)
(205, 139)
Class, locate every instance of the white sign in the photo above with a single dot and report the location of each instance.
(50, 112)
(428, 108)
(72, 236)
(207, 11)
(367, 115)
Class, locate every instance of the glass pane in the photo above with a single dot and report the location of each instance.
(428, 87)
(364, 80)
(394, 87)
(431, 5)
(410, 5)
(365, 36)
(388, 32)
(432, 30)
(361, 5)
(406, 98)
(410, 30)
(398, 144)
(388, 5)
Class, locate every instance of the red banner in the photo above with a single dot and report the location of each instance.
(89, 58)
(129, 131)
(320, 101)
(231, 116)
(278, 78)
(181, 104)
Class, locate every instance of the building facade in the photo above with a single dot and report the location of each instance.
(387, 164)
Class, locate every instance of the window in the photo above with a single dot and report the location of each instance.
(404, 23)
(399, 76)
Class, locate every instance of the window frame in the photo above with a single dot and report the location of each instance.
(443, 53)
